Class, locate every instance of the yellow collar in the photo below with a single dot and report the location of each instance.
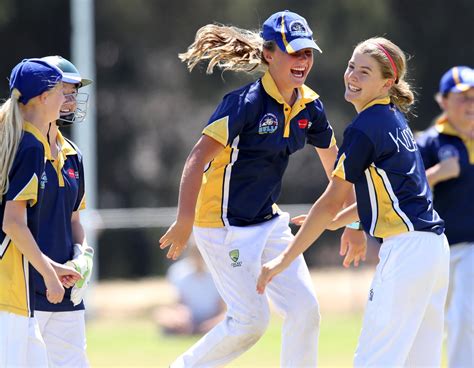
(377, 101)
(66, 147)
(443, 126)
(30, 128)
(306, 93)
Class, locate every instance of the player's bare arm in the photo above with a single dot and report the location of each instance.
(320, 215)
(205, 150)
(14, 224)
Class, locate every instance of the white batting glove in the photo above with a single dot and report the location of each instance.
(82, 263)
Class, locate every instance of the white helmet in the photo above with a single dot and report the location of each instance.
(71, 75)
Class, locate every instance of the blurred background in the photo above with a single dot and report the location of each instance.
(150, 110)
(146, 112)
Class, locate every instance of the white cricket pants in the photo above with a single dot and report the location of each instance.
(248, 313)
(404, 316)
(460, 307)
(64, 334)
(21, 344)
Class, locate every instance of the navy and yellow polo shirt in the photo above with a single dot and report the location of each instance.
(454, 198)
(63, 194)
(26, 183)
(379, 155)
(259, 131)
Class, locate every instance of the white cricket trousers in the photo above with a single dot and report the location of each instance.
(21, 344)
(404, 316)
(460, 307)
(234, 256)
(64, 334)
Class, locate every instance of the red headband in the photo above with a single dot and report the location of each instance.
(392, 63)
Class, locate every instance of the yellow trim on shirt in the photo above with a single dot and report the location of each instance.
(340, 171)
(389, 222)
(377, 101)
(218, 130)
(443, 126)
(305, 95)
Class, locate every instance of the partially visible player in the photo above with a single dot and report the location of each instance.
(61, 236)
(236, 167)
(36, 97)
(403, 324)
(448, 154)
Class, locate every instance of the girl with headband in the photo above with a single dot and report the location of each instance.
(403, 323)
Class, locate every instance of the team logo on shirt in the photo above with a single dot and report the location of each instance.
(447, 151)
(298, 29)
(43, 180)
(268, 124)
(303, 123)
(234, 256)
(404, 137)
(73, 174)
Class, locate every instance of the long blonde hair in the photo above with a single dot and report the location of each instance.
(401, 94)
(228, 48)
(11, 130)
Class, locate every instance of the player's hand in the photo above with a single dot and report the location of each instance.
(449, 168)
(268, 271)
(67, 275)
(54, 289)
(353, 247)
(298, 220)
(176, 238)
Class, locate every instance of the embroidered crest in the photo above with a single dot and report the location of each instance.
(268, 124)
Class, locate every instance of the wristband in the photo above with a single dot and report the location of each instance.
(356, 225)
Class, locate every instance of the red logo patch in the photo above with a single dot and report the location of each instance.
(303, 123)
(71, 173)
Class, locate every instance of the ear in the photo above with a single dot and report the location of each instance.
(43, 98)
(388, 84)
(268, 55)
(441, 101)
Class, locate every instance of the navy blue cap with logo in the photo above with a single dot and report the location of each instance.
(289, 31)
(32, 77)
(457, 79)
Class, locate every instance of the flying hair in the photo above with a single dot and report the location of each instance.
(227, 48)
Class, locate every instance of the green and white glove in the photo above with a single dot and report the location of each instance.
(82, 263)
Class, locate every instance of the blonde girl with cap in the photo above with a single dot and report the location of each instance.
(403, 323)
(36, 98)
(447, 149)
(232, 180)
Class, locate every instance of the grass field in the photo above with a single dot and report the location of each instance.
(137, 343)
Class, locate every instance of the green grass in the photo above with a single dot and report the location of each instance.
(137, 343)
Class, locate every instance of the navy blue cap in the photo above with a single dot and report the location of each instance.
(32, 77)
(290, 31)
(457, 79)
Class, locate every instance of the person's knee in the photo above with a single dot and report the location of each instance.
(250, 328)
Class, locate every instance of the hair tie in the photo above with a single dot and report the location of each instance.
(392, 63)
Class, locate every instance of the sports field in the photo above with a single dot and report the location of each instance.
(137, 343)
(121, 332)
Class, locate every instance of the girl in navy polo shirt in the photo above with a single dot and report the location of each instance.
(232, 180)
(403, 324)
(61, 235)
(447, 149)
(36, 97)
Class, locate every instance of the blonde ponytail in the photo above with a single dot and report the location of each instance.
(225, 47)
(11, 129)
